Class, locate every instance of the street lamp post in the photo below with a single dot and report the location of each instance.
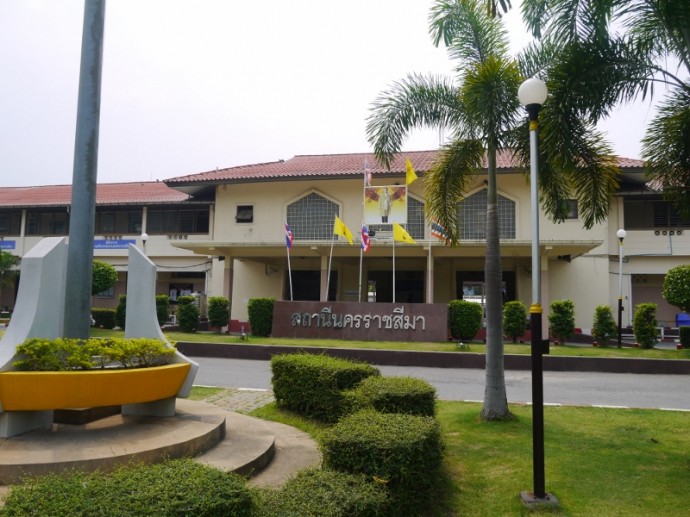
(144, 238)
(621, 236)
(532, 94)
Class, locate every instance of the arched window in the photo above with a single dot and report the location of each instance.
(472, 217)
(311, 218)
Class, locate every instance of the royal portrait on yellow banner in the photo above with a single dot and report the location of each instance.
(385, 205)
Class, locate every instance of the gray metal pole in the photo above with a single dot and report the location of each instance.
(83, 208)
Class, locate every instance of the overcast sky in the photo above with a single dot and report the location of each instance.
(192, 85)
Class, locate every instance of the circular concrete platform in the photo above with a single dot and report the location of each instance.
(231, 441)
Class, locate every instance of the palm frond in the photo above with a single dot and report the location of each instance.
(416, 101)
(447, 181)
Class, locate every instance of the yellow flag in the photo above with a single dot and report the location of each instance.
(400, 235)
(339, 228)
(410, 175)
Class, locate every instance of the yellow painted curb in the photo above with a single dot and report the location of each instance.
(37, 391)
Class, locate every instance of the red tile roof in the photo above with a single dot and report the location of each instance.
(149, 192)
(334, 165)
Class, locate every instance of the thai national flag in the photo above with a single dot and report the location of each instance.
(288, 236)
(366, 241)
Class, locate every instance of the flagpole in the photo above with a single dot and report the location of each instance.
(361, 253)
(428, 267)
(289, 272)
(393, 269)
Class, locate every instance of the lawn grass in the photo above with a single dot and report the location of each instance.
(603, 462)
(447, 346)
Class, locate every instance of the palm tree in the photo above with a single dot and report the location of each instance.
(481, 110)
(653, 50)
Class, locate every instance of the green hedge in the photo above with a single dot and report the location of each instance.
(393, 395)
(177, 487)
(104, 318)
(316, 493)
(260, 312)
(60, 354)
(218, 311)
(464, 319)
(187, 313)
(312, 385)
(514, 319)
(403, 451)
(644, 324)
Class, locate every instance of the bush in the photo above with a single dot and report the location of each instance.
(562, 319)
(316, 492)
(644, 324)
(218, 311)
(177, 487)
(312, 385)
(260, 311)
(104, 276)
(676, 288)
(47, 355)
(394, 395)
(121, 312)
(604, 327)
(464, 319)
(403, 451)
(162, 308)
(104, 318)
(684, 335)
(514, 319)
(187, 313)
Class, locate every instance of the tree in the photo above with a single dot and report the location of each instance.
(104, 277)
(615, 51)
(676, 289)
(480, 108)
(8, 269)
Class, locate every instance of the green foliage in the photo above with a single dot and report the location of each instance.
(464, 319)
(604, 327)
(319, 492)
(684, 335)
(218, 311)
(260, 312)
(514, 319)
(562, 319)
(162, 308)
(644, 324)
(312, 385)
(676, 289)
(104, 277)
(104, 318)
(121, 312)
(394, 395)
(176, 487)
(69, 354)
(403, 451)
(187, 313)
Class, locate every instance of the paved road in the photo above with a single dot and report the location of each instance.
(571, 388)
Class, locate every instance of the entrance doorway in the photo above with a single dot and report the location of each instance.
(306, 286)
(409, 286)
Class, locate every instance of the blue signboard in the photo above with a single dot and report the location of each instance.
(112, 244)
(8, 245)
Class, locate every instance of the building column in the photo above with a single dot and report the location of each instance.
(430, 277)
(324, 279)
(228, 278)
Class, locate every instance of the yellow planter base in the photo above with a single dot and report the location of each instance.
(38, 391)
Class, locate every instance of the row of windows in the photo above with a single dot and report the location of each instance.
(650, 214)
(161, 221)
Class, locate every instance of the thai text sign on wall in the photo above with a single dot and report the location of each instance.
(366, 321)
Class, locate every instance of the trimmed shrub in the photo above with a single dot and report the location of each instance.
(177, 487)
(121, 312)
(218, 311)
(684, 335)
(104, 318)
(514, 319)
(403, 451)
(260, 311)
(62, 354)
(562, 319)
(464, 319)
(644, 324)
(187, 313)
(676, 288)
(103, 277)
(317, 492)
(312, 385)
(162, 308)
(604, 327)
(393, 395)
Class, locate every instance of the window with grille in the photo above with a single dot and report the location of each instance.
(415, 218)
(573, 212)
(472, 217)
(651, 214)
(177, 220)
(116, 221)
(244, 214)
(312, 217)
(10, 223)
(55, 222)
